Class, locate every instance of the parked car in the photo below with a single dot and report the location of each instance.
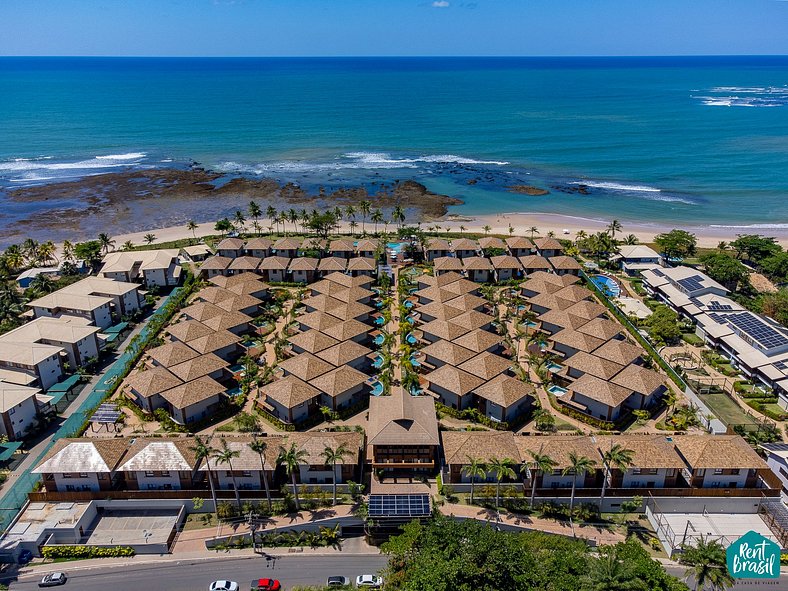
(224, 586)
(369, 581)
(266, 585)
(337, 581)
(53, 580)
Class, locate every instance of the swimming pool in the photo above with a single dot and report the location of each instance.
(396, 246)
(408, 304)
(411, 340)
(554, 367)
(607, 285)
(380, 321)
(377, 388)
(557, 390)
(414, 360)
(378, 361)
(379, 340)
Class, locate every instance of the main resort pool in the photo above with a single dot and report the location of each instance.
(557, 390)
(607, 285)
(234, 391)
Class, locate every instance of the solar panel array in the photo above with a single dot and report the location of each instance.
(692, 283)
(781, 365)
(658, 273)
(719, 306)
(106, 413)
(758, 330)
(399, 506)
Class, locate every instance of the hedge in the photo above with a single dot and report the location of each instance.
(75, 552)
(473, 415)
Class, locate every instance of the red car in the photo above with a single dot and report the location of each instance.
(266, 585)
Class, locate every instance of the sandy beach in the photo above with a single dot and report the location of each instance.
(708, 237)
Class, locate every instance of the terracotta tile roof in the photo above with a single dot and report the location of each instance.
(577, 340)
(171, 353)
(478, 340)
(460, 287)
(591, 364)
(547, 243)
(402, 420)
(444, 329)
(227, 321)
(197, 367)
(214, 341)
(290, 391)
(287, 244)
(505, 391)
(575, 293)
(601, 328)
(621, 352)
(367, 245)
(215, 263)
(534, 261)
(477, 264)
(346, 330)
(351, 310)
(460, 446)
(602, 391)
(564, 263)
(587, 310)
(303, 264)
(649, 451)
(305, 366)
(322, 302)
(339, 380)
(448, 352)
(214, 294)
(438, 311)
(259, 244)
(559, 447)
(550, 301)
(274, 263)
(343, 353)
(641, 380)
(448, 264)
(505, 262)
(562, 318)
(230, 244)
(353, 294)
(202, 311)
(83, 454)
(318, 320)
(486, 365)
(245, 263)
(437, 244)
(362, 264)
(312, 341)
(518, 242)
(188, 330)
(154, 453)
(149, 382)
(247, 459)
(238, 303)
(491, 242)
(194, 392)
(472, 320)
(453, 379)
(464, 244)
(315, 443)
(435, 294)
(332, 264)
(717, 451)
(467, 302)
(341, 246)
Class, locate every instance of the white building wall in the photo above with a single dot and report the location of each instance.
(88, 482)
(158, 481)
(49, 371)
(21, 417)
(711, 480)
(103, 316)
(157, 277)
(780, 467)
(559, 481)
(252, 481)
(632, 480)
(318, 475)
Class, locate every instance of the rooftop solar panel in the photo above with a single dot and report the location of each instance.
(399, 506)
(106, 413)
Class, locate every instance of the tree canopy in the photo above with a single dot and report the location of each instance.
(754, 247)
(676, 243)
(726, 270)
(663, 325)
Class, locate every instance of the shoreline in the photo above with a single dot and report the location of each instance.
(708, 237)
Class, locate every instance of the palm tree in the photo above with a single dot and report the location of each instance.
(398, 215)
(270, 213)
(106, 242)
(223, 225)
(610, 573)
(376, 217)
(486, 229)
(225, 455)
(474, 469)
(462, 230)
(291, 458)
(613, 227)
(191, 226)
(127, 246)
(254, 211)
(541, 463)
(239, 219)
(292, 217)
(353, 226)
(364, 208)
(722, 245)
(68, 251)
(30, 250)
(631, 239)
(576, 465)
(533, 230)
(707, 564)
(149, 238)
(580, 235)
(259, 446)
(616, 457)
(203, 451)
(46, 251)
(511, 230)
(503, 468)
(332, 457)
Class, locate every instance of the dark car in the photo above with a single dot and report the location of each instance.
(53, 580)
(337, 581)
(266, 585)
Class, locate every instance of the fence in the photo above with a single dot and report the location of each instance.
(16, 495)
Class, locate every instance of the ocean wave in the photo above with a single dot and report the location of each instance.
(744, 96)
(753, 226)
(128, 156)
(33, 164)
(617, 186)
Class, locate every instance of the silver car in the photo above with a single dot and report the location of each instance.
(53, 580)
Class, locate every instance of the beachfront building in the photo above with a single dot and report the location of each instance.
(635, 258)
(518, 246)
(82, 464)
(491, 244)
(258, 247)
(242, 264)
(197, 253)
(478, 269)
(154, 268)
(230, 248)
(368, 248)
(343, 249)
(215, 266)
(548, 247)
(329, 265)
(463, 248)
(286, 247)
(436, 248)
(19, 408)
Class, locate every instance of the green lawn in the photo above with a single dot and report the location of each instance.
(726, 409)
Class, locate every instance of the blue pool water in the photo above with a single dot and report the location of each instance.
(377, 362)
(554, 367)
(377, 388)
(557, 390)
(379, 340)
(236, 391)
(380, 321)
(396, 246)
(607, 285)
(410, 320)
(408, 304)
(414, 361)
(411, 339)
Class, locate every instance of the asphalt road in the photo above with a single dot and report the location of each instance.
(198, 575)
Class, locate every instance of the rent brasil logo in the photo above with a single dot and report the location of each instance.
(753, 556)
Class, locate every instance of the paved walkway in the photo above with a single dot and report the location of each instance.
(598, 535)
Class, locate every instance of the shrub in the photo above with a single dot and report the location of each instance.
(78, 552)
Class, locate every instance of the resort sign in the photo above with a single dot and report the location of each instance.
(753, 556)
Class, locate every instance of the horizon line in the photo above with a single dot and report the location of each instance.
(477, 56)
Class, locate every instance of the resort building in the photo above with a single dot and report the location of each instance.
(777, 460)
(274, 268)
(242, 264)
(506, 267)
(548, 247)
(330, 265)
(96, 310)
(19, 409)
(362, 266)
(215, 266)
(436, 248)
(159, 464)
(519, 246)
(303, 269)
(446, 264)
(343, 249)
(491, 243)
(126, 297)
(367, 248)
(30, 364)
(655, 461)
(86, 464)
(78, 341)
(478, 269)
(259, 247)
(286, 247)
(290, 399)
(154, 268)
(533, 264)
(564, 265)
(230, 248)
(635, 258)
(722, 461)
(463, 248)
(197, 253)
(504, 398)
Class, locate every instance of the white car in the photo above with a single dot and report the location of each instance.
(224, 586)
(53, 580)
(369, 581)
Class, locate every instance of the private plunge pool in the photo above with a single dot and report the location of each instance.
(379, 340)
(557, 391)
(380, 321)
(411, 339)
(377, 363)
(607, 285)
(554, 367)
(377, 388)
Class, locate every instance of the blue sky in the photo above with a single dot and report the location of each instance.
(392, 27)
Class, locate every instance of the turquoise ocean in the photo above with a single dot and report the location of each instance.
(696, 141)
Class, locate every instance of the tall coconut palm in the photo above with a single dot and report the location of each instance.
(398, 215)
(610, 573)
(127, 246)
(707, 565)
(291, 458)
(254, 210)
(225, 455)
(47, 250)
(270, 213)
(539, 463)
(106, 242)
(616, 457)
(333, 456)
(149, 238)
(631, 239)
(191, 226)
(240, 219)
(260, 446)
(203, 451)
(376, 218)
(533, 230)
(292, 217)
(364, 207)
(462, 230)
(502, 468)
(577, 464)
(580, 235)
(474, 469)
(613, 227)
(68, 251)
(486, 228)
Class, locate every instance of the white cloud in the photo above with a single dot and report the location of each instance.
(440, 4)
